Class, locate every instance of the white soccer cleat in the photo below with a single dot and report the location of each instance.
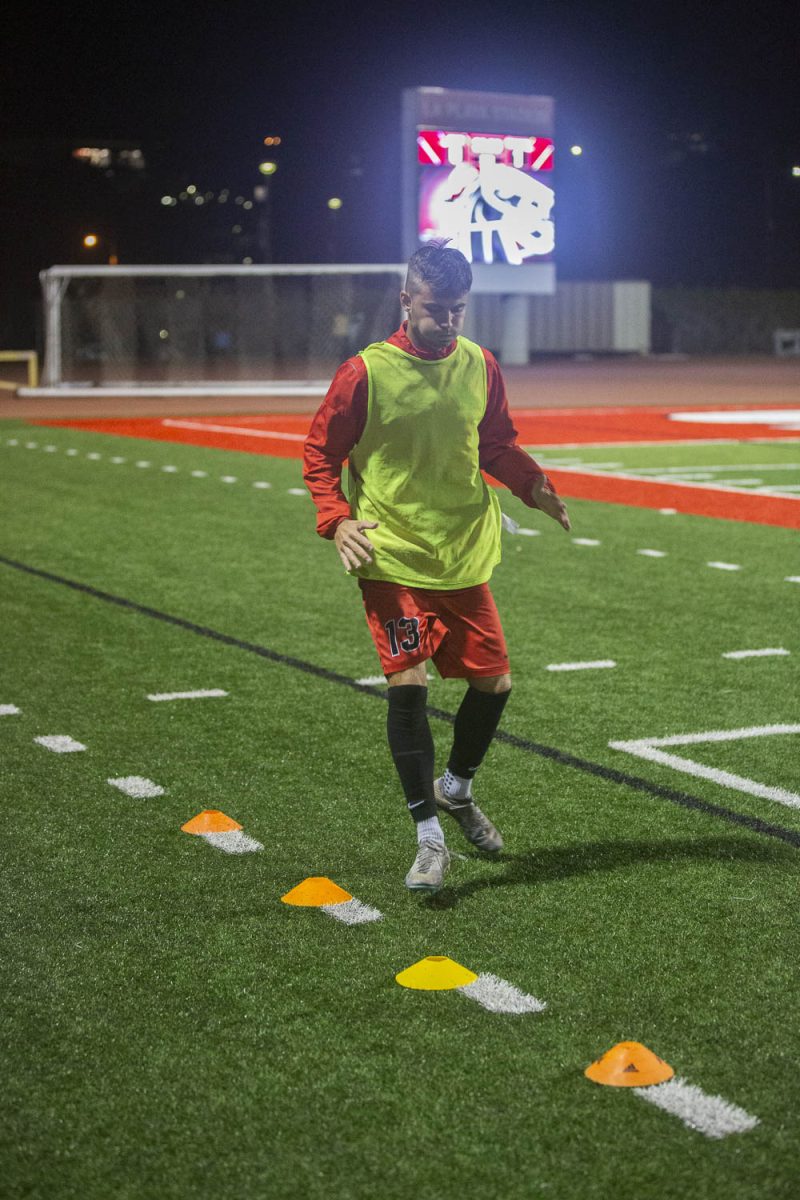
(429, 867)
(475, 825)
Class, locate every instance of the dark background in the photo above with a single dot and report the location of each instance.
(688, 115)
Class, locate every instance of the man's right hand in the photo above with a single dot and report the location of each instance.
(354, 548)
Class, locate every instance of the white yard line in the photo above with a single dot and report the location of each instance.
(232, 841)
(709, 1115)
(352, 912)
(275, 434)
(60, 743)
(500, 996)
(585, 541)
(198, 695)
(681, 483)
(137, 786)
(598, 664)
(754, 653)
(8, 710)
(653, 553)
(649, 749)
(791, 579)
(724, 566)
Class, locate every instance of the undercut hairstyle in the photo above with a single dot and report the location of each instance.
(447, 271)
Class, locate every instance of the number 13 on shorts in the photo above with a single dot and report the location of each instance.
(409, 635)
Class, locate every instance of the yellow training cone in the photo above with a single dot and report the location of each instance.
(629, 1064)
(316, 891)
(210, 820)
(436, 973)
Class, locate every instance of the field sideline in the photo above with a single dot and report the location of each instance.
(173, 1030)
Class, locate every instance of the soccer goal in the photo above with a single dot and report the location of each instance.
(196, 330)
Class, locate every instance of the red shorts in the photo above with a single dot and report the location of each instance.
(459, 630)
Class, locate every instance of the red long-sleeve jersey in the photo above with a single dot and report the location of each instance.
(340, 421)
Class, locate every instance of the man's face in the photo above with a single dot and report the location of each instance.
(434, 320)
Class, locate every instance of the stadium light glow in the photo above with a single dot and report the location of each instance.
(268, 168)
(247, 204)
(577, 151)
(334, 203)
(796, 172)
(90, 240)
(167, 201)
(191, 189)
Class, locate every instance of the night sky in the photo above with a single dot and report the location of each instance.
(204, 83)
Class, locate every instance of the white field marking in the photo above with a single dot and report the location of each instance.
(117, 459)
(668, 512)
(791, 579)
(200, 474)
(714, 467)
(137, 786)
(653, 553)
(256, 433)
(678, 483)
(742, 482)
(262, 483)
(647, 748)
(544, 446)
(723, 566)
(500, 996)
(197, 695)
(782, 488)
(685, 476)
(94, 456)
(71, 452)
(778, 418)
(528, 532)
(585, 542)
(298, 492)
(582, 666)
(50, 449)
(232, 841)
(12, 442)
(8, 710)
(60, 743)
(143, 463)
(170, 469)
(228, 479)
(31, 445)
(352, 912)
(754, 653)
(710, 1115)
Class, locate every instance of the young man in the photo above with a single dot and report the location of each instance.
(418, 416)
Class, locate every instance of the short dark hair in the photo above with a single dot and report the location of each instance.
(447, 271)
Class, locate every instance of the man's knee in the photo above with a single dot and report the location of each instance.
(494, 684)
(412, 675)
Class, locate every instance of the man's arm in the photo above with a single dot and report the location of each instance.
(505, 460)
(337, 426)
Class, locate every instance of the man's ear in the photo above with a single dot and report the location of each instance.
(405, 300)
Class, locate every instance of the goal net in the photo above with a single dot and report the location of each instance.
(255, 329)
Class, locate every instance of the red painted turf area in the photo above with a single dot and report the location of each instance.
(282, 436)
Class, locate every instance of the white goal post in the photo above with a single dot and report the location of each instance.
(201, 329)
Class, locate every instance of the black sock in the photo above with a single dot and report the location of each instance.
(411, 744)
(476, 721)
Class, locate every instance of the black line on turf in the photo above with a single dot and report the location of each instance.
(684, 799)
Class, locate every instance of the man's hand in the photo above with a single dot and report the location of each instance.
(547, 500)
(354, 548)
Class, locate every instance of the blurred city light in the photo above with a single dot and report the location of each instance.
(576, 150)
(247, 204)
(796, 172)
(334, 203)
(268, 168)
(168, 201)
(272, 141)
(191, 189)
(90, 240)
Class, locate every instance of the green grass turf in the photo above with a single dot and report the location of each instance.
(764, 466)
(172, 1030)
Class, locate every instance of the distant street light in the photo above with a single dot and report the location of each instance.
(268, 168)
(90, 240)
(577, 151)
(334, 203)
(796, 172)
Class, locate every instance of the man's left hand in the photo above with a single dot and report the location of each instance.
(547, 500)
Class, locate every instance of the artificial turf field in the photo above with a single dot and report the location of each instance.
(173, 1030)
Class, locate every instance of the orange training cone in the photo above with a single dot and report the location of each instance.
(316, 891)
(210, 820)
(629, 1064)
(436, 973)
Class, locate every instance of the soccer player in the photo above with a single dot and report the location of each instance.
(419, 415)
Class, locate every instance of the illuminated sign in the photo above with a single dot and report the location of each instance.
(480, 190)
